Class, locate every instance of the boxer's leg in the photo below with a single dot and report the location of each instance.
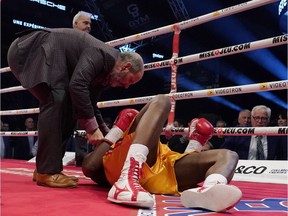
(216, 169)
(150, 122)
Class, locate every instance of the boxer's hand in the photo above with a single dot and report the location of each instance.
(121, 124)
(124, 118)
(200, 130)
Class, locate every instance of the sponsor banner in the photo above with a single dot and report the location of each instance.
(162, 64)
(18, 133)
(269, 86)
(27, 24)
(226, 131)
(50, 4)
(248, 131)
(225, 50)
(19, 112)
(267, 171)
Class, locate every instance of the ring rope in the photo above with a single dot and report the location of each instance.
(186, 23)
(250, 88)
(19, 112)
(5, 69)
(265, 43)
(11, 89)
(258, 87)
(223, 131)
(231, 50)
(193, 22)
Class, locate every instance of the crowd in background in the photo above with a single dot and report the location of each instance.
(25, 147)
(247, 147)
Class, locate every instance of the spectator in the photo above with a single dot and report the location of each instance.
(282, 122)
(282, 118)
(178, 143)
(34, 149)
(82, 21)
(5, 143)
(217, 141)
(23, 145)
(5, 126)
(244, 118)
(256, 147)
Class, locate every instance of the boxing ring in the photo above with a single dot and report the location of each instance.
(263, 183)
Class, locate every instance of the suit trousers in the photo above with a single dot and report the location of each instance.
(55, 126)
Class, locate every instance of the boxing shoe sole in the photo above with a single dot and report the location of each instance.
(122, 195)
(142, 204)
(218, 198)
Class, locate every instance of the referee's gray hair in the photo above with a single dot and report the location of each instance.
(135, 59)
(76, 17)
(261, 107)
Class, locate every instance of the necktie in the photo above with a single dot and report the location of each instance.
(260, 151)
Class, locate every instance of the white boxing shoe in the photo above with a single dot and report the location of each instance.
(217, 198)
(128, 191)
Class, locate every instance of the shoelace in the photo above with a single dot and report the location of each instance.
(134, 173)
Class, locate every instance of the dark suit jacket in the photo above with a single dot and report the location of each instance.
(283, 148)
(66, 59)
(22, 148)
(175, 143)
(8, 147)
(241, 145)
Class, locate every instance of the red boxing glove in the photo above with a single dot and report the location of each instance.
(200, 130)
(124, 118)
(121, 124)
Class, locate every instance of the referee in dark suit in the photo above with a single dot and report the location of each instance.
(66, 70)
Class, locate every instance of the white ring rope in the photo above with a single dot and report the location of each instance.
(12, 89)
(19, 112)
(192, 22)
(18, 133)
(6, 69)
(185, 24)
(260, 44)
(239, 48)
(258, 87)
(224, 131)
